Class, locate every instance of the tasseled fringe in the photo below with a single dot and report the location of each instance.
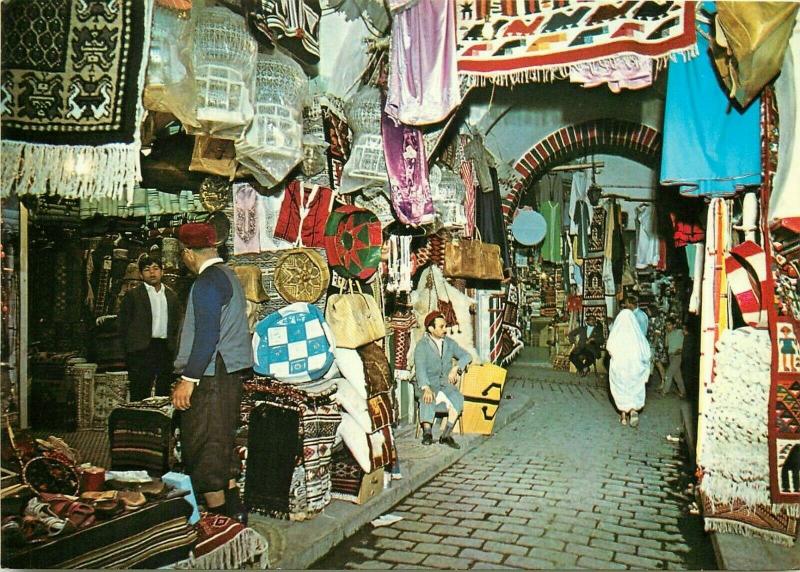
(743, 529)
(507, 359)
(247, 546)
(71, 171)
(792, 510)
(550, 74)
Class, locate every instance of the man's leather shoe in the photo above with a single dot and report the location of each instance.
(450, 442)
(427, 439)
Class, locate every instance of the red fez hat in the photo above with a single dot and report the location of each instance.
(431, 317)
(197, 235)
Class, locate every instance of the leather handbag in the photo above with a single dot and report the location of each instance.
(355, 318)
(750, 43)
(473, 259)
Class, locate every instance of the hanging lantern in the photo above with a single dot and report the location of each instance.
(273, 144)
(223, 58)
(449, 194)
(366, 165)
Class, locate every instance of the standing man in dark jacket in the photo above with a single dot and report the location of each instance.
(215, 352)
(148, 323)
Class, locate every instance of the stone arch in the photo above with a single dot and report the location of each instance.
(615, 136)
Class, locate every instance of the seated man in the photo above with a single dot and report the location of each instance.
(437, 377)
(588, 341)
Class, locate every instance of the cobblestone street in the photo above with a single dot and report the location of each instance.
(563, 487)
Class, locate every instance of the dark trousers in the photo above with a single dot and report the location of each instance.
(145, 367)
(208, 430)
(582, 358)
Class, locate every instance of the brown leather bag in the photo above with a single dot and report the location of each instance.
(750, 43)
(473, 259)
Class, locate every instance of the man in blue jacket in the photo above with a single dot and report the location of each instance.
(437, 377)
(214, 353)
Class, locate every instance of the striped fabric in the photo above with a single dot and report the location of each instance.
(292, 24)
(468, 176)
(746, 267)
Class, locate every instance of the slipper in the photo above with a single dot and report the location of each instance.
(132, 499)
(77, 514)
(153, 489)
(634, 418)
(105, 503)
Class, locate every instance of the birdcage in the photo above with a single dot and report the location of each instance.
(223, 60)
(448, 194)
(273, 145)
(366, 165)
(314, 145)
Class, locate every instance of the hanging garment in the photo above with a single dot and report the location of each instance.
(268, 208)
(619, 72)
(784, 202)
(551, 246)
(629, 368)
(482, 160)
(490, 222)
(245, 221)
(305, 206)
(423, 82)
(710, 148)
(467, 170)
(407, 166)
(291, 24)
(647, 242)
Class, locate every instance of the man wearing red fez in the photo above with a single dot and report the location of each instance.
(437, 378)
(214, 353)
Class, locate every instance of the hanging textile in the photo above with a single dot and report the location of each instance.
(714, 304)
(784, 200)
(423, 83)
(594, 303)
(710, 148)
(648, 252)
(551, 246)
(338, 137)
(407, 166)
(781, 241)
(538, 41)
(293, 25)
(245, 220)
(490, 221)
(72, 97)
(304, 211)
(511, 334)
(618, 73)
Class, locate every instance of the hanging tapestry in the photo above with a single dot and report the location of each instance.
(516, 42)
(71, 92)
(293, 25)
(511, 335)
(338, 137)
(780, 246)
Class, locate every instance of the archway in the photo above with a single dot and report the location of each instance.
(633, 140)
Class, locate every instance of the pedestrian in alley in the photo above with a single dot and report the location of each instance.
(629, 368)
(437, 378)
(215, 351)
(588, 344)
(675, 337)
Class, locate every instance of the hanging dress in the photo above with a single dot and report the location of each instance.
(551, 246)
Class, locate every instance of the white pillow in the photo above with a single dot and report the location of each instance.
(352, 402)
(352, 367)
(356, 440)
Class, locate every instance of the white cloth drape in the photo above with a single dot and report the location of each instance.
(630, 362)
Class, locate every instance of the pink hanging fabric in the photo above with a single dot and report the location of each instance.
(423, 80)
(407, 166)
(245, 221)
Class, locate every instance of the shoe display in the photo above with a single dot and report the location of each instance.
(450, 442)
(427, 439)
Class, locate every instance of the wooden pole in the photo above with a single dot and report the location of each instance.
(24, 386)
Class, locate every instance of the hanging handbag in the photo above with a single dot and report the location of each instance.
(473, 258)
(354, 318)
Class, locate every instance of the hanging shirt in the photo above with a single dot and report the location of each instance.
(710, 148)
(305, 206)
(647, 242)
(551, 246)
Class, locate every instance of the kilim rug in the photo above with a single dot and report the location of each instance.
(70, 96)
(784, 327)
(511, 336)
(739, 518)
(224, 544)
(535, 40)
(594, 301)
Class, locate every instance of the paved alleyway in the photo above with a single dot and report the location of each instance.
(565, 486)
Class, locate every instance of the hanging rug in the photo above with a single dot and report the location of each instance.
(536, 41)
(70, 93)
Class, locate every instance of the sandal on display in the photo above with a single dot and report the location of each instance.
(634, 418)
(76, 513)
(105, 503)
(132, 499)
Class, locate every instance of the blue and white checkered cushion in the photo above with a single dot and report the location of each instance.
(293, 344)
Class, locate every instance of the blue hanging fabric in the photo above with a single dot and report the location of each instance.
(711, 147)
